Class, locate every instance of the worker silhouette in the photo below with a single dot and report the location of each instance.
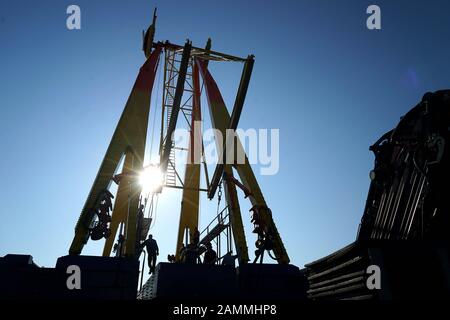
(229, 259)
(210, 255)
(152, 252)
(190, 254)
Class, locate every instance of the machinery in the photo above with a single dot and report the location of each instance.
(407, 196)
(403, 231)
(122, 219)
(404, 228)
(185, 75)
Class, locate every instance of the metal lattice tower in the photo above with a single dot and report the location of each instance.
(172, 60)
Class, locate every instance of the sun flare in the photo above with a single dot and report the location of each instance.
(151, 179)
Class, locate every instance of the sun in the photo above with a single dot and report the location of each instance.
(151, 179)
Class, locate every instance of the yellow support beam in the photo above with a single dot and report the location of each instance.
(189, 205)
(220, 119)
(191, 194)
(122, 203)
(134, 192)
(130, 133)
(237, 226)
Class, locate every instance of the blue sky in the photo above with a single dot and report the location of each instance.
(328, 83)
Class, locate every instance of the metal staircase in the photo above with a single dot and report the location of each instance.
(148, 290)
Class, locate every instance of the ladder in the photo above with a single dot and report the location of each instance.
(171, 67)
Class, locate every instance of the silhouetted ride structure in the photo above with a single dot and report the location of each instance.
(403, 231)
(404, 228)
